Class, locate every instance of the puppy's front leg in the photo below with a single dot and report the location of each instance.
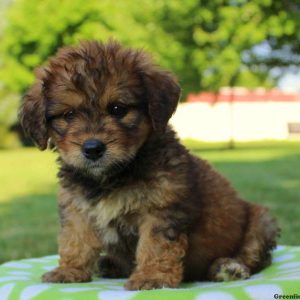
(79, 248)
(159, 257)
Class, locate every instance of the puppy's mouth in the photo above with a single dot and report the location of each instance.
(93, 164)
(94, 158)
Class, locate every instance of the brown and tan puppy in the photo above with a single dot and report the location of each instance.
(127, 186)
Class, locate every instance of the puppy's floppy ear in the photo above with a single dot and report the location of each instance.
(163, 93)
(32, 115)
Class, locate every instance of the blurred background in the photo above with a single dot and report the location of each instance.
(238, 62)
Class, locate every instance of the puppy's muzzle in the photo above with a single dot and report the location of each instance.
(93, 149)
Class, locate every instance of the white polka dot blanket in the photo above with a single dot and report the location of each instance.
(20, 280)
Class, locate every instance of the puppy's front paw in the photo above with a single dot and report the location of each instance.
(66, 275)
(144, 282)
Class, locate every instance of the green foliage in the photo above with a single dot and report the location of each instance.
(38, 28)
(266, 173)
(203, 42)
(219, 37)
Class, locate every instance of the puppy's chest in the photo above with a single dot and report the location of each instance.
(119, 230)
(115, 218)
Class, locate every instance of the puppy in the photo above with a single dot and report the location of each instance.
(128, 188)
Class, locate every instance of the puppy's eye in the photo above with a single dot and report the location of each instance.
(118, 110)
(69, 115)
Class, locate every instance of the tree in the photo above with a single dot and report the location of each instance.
(221, 39)
(206, 43)
(36, 29)
(281, 46)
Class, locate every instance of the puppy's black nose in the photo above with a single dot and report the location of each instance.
(93, 149)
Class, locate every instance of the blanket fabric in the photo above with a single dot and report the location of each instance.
(20, 280)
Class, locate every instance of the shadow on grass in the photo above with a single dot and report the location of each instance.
(28, 226)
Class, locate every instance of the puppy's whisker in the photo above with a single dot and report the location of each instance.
(75, 143)
(111, 141)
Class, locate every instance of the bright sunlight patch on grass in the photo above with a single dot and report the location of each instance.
(265, 173)
(26, 171)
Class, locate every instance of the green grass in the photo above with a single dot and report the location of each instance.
(28, 214)
(266, 173)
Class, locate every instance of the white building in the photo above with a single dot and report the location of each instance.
(239, 114)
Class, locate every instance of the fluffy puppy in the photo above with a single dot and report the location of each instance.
(128, 188)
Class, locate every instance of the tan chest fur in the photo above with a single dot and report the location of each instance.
(112, 212)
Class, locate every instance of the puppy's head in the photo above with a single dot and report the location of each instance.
(98, 103)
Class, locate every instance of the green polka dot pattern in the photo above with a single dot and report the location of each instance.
(20, 280)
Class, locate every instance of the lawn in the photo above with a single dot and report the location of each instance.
(266, 173)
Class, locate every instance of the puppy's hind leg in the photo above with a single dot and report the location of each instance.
(260, 239)
(227, 269)
(255, 252)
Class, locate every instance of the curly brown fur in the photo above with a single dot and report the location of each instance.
(160, 214)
